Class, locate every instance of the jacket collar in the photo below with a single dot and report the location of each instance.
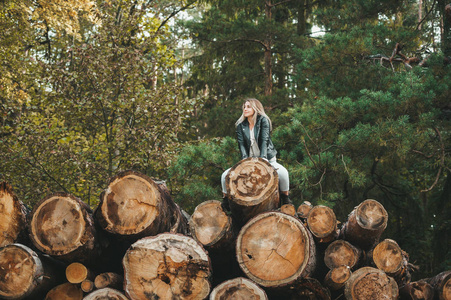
(247, 131)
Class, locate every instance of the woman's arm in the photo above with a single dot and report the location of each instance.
(240, 138)
(264, 137)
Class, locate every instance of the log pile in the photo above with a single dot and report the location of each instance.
(139, 244)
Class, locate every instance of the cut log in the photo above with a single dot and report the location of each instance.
(133, 206)
(442, 285)
(77, 272)
(370, 283)
(365, 224)
(61, 226)
(388, 257)
(304, 209)
(336, 278)
(65, 291)
(288, 209)
(13, 215)
(109, 279)
(87, 286)
(253, 187)
(212, 227)
(167, 266)
(24, 274)
(418, 290)
(341, 253)
(322, 223)
(238, 288)
(107, 293)
(274, 249)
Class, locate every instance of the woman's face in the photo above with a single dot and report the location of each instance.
(248, 111)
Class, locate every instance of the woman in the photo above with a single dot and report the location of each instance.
(253, 134)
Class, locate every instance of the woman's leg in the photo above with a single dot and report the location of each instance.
(223, 183)
(284, 181)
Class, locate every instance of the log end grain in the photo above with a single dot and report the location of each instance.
(304, 209)
(238, 288)
(322, 221)
(341, 253)
(106, 293)
(87, 286)
(370, 283)
(388, 256)
(275, 249)
(209, 223)
(11, 214)
(167, 266)
(336, 278)
(288, 209)
(129, 205)
(371, 215)
(77, 272)
(65, 291)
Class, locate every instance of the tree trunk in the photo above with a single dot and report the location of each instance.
(167, 266)
(61, 226)
(13, 215)
(275, 250)
(322, 223)
(77, 272)
(65, 291)
(212, 227)
(304, 209)
(238, 288)
(133, 206)
(341, 253)
(418, 290)
(370, 283)
(365, 224)
(106, 293)
(253, 187)
(109, 279)
(336, 278)
(388, 257)
(442, 285)
(24, 274)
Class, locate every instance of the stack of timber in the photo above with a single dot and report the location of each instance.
(138, 244)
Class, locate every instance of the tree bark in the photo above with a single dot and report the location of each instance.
(275, 250)
(212, 227)
(370, 283)
(61, 226)
(418, 290)
(77, 272)
(24, 274)
(336, 278)
(253, 187)
(238, 288)
(106, 293)
(322, 223)
(365, 224)
(134, 206)
(341, 253)
(65, 291)
(442, 285)
(109, 279)
(167, 266)
(13, 215)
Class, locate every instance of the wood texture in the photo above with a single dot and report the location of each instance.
(106, 294)
(167, 266)
(341, 253)
(365, 224)
(87, 286)
(418, 290)
(442, 285)
(336, 278)
(370, 283)
(62, 226)
(12, 215)
(304, 209)
(322, 223)
(109, 279)
(77, 272)
(238, 288)
(212, 227)
(134, 205)
(65, 291)
(253, 187)
(390, 258)
(274, 249)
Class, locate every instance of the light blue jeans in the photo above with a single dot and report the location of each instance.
(284, 181)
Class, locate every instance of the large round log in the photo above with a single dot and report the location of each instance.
(388, 257)
(322, 223)
(62, 226)
(418, 290)
(107, 293)
(341, 253)
(133, 206)
(65, 291)
(370, 283)
(336, 278)
(238, 288)
(365, 224)
(212, 227)
(252, 187)
(275, 250)
(167, 266)
(24, 274)
(13, 215)
(442, 285)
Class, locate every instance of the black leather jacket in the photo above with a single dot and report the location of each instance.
(262, 136)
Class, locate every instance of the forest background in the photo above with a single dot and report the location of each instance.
(358, 91)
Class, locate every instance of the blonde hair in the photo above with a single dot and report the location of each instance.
(258, 110)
